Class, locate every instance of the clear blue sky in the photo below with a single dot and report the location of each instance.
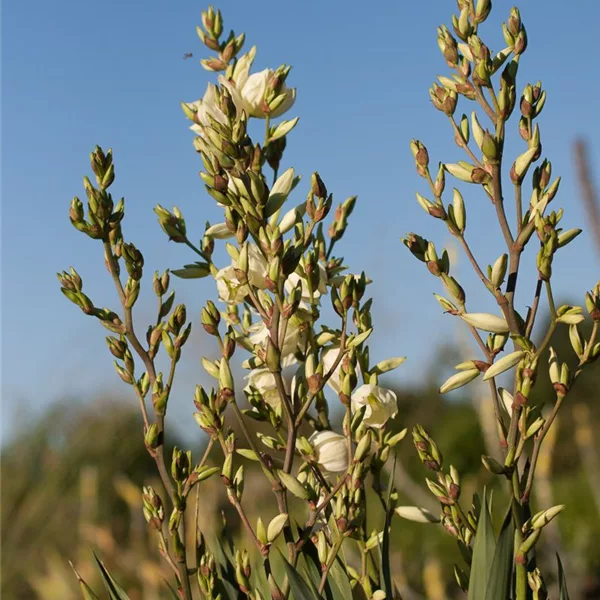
(74, 75)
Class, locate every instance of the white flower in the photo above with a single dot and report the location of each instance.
(219, 231)
(259, 334)
(381, 404)
(264, 382)
(206, 108)
(257, 267)
(248, 91)
(230, 289)
(294, 278)
(331, 450)
(328, 357)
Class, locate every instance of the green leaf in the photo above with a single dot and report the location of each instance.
(483, 552)
(86, 590)
(340, 576)
(222, 554)
(227, 589)
(300, 589)
(115, 591)
(562, 581)
(312, 565)
(194, 271)
(498, 585)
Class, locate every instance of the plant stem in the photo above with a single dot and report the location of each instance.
(250, 440)
(158, 453)
(330, 561)
(182, 566)
(327, 376)
(267, 126)
(519, 206)
(534, 308)
(463, 144)
(318, 510)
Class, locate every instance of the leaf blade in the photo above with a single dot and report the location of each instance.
(498, 585)
(300, 589)
(483, 552)
(562, 581)
(115, 591)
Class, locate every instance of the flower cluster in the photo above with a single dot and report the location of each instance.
(325, 437)
(490, 79)
(312, 385)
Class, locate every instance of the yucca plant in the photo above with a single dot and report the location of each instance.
(301, 322)
(503, 565)
(280, 275)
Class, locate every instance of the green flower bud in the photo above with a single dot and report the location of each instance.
(276, 527)
(497, 273)
(459, 380)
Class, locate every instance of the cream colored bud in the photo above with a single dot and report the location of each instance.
(293, 485)
(576, 341)
(276, 527)
(554, 368)
(486, 322)
(459, 380)
(504, 364)
(477, 130)
(280, 191)
(523, 161)
(458, 211)
(534, 427)
(219, 231)
(498, 271)
(416, 514)
(462, 171)
(544, 517)
(567, 236)
(571, 315)
(507, 399)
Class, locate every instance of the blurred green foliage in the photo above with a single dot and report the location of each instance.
(71, 484)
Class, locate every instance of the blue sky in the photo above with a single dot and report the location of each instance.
(74, 75)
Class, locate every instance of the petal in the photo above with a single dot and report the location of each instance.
(290, 98)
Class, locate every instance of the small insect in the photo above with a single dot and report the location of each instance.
(187, 55)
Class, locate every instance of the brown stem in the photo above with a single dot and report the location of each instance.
(463, 143)
(534, 308)
(327, 376)
(158, 453)
(519, 206)
(233, 499)
(318, 510)
(250, 440)
(489, 111)
(203, 460)
(148, 363)
(537, 446)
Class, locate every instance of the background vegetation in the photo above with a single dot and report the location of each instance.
(73, 480)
